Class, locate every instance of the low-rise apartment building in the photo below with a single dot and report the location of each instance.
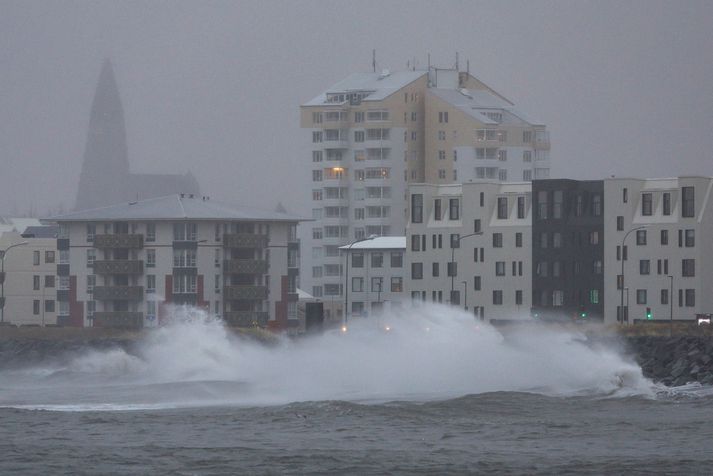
(124, 265)
(375, 274)
(470, 245)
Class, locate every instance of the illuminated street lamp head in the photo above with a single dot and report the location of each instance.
(344, 328)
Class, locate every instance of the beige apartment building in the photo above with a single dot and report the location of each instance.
(372, 134)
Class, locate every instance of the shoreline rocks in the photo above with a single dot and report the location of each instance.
(675, 360)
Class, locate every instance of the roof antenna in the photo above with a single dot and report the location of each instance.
(429, 61)
(373, 60)
(467, 67)
(414, 63)
(456, 61)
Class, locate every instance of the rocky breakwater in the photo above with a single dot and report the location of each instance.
(674, 360)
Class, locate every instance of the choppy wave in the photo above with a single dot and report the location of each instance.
(430, 353)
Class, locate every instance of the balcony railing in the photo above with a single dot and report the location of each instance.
(244, 266)
(121, 319)
(245, 292)
(246, 318)
(244, 240)
(119, 240)
(119, 267)
(118, 293)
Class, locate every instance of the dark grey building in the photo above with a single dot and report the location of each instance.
(567, 249)
(105, 178)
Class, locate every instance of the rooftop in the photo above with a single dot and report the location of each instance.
(379, 243)
(381, 85)
(175, 207)
(476, 102)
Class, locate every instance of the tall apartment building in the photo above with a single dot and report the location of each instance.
(469, 245)
(373, 134)
(668, 253)
(28, 279)
(122, 265)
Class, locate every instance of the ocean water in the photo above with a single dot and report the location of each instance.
(435, 393)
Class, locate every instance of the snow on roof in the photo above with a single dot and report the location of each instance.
(380, 85)
(175, 207)
(17, 224)
(379, 243)
(476, 102)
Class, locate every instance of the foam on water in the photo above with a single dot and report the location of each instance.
(432, 352)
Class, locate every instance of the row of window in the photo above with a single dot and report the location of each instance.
(377, 284)
(452, 269)
(342, 116)
(686, 298)
(184, 231)
(688, 204)
(551, 204)
(437, 296)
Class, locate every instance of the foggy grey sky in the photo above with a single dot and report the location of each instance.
(625, 88)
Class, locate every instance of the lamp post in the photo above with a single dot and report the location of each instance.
(622, 269)
(346, 279)
(2, 277)
(453, 266)
(465, 295)
(670, 302)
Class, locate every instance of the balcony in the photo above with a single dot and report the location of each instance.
(258, 293)
(119, 319)
(244, 266)
(246, 318)
(244, 240)
(118, 293)
(119, 240)
(119, 267)
(542, 140)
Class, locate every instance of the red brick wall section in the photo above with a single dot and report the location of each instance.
(200, 302)
(168, 298)
(76, 308)
(280, 322)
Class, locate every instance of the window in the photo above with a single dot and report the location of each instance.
(625, 195)
(527, 175)
(502, 155)
(620, 223)
(184, 258)
(416, 270)
(36, 306)
(688, 209)
(377, 284)
(518, 240)
(316, 175)
(49, 305)
(453, 209)
(185, 231)
(443, 117)
(497, 240)
(49, 256)
(502, 208)
(667, 203)
(690, 297)
(452, 269)
(91, 232)
(476, 283)
(415, 243)
(527, 136)
(416, 208)
(91, 257)
(377, 259)
(497, 297)
(476, 226)
(316, 136)
(332, 289)
(357, 284)
(49, 281)
(317, 291)
(358, 116)
(644, 266)
(664, 296)
(397, 259)
(518, 297)
(377, 115)
(646, 204)
(596, 205)
(664, 237)
(557, 203)
(441, 173)
(437, 209)
(150, 258)
(593, 237)
(358, 260)
(150, 283)
(542, 205)
(500, 268)
(36, 283)
(641, 237)
(641, 296)
(594, 296)
(316, 156)
(556, 240)
(688, 268)
(690, 238)
(358, 136)
(521, 207)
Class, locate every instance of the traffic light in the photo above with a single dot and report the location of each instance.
(649, 316)
(582, 312)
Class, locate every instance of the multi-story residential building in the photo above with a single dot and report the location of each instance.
(29, 279)
(469, 245)
(372, 134)
(125, 264)
(567, 249)
(666, 229)
(376, 273)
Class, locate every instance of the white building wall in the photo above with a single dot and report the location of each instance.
(392, 295)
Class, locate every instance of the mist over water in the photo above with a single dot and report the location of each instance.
(428, 353)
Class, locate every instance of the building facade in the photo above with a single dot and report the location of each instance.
(28, 279)
(124, 265)
(372, 134)
(470, 245)
(666, 229)
(567, 249)
(375, 273)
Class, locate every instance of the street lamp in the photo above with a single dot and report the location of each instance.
(622, 268)
(346, 278)
(670, 301)
(465, 295)
(2, 278)
(453, 266)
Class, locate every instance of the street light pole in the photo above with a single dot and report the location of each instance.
(453, 266)
(2, 274)
(346, 279)
(670, 301)
(622, 269)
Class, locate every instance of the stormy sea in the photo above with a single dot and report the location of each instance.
(427, 392)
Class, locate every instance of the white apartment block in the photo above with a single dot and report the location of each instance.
(29, 280)
(124, 265)
(470, 245)
(375, 273)
(371, 135)
(669, 245)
